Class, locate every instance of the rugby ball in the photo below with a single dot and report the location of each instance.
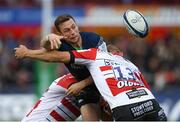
(135, 23)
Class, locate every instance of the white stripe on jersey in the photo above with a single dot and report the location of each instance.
(51, 119)
(108, 74)
(84, 61)
(63, 109)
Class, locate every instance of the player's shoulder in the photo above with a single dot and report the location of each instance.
(132, 65)
(90, 39)
(90, 35)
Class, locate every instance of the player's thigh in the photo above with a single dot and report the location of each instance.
(156, 115)
(122, 113)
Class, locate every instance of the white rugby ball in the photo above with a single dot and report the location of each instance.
(135, 23)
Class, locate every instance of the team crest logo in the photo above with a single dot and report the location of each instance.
(107, 62)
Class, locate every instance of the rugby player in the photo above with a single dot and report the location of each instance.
(53, 105)
(118, 80)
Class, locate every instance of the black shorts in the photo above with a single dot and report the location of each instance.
(88, 95)
(142, 111)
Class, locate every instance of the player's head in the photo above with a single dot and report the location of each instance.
(66, 26)
(113, 49)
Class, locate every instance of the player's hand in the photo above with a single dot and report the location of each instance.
(21, 51)
(52, 41)
(74, 89)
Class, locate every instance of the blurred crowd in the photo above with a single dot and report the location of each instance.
(16, 76)
(37, 3)
(159, 62)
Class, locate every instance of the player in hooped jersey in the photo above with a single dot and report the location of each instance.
(53, 105)
(118, 80)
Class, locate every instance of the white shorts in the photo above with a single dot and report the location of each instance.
(53, 106)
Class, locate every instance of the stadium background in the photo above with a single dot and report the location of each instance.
(25, 21)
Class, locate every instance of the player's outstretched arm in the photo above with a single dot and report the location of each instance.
(42, 54)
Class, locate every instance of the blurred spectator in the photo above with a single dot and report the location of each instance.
(137, 53)
(11, 74)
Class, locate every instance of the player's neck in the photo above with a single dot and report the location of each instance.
(78, 44)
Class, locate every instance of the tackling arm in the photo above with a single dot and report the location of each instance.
(77, 87)
(42, 54)
(50, 56)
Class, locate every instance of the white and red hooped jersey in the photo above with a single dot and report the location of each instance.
(118, 80)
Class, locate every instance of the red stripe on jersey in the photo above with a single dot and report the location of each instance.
(56, 116)
(104, 68)
(35, 106)
(141, 78)
(86, 54)
(137, 76)
(71, 107)
(115, 90)
(66, 81)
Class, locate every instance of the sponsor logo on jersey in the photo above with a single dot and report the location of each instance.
(136, 93)
(125, 83)
(110, 62)
(145, 107)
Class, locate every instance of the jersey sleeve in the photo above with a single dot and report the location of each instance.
(83, 57)
(93, 40)
(102, 45)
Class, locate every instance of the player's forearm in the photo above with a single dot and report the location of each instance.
(86, 82)
(77, 87)
(48, 56)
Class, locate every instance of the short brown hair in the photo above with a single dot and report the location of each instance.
(61, 19)
(112, 48)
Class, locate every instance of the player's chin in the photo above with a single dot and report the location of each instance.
(74, 40)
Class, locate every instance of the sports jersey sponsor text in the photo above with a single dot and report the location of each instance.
(142, 108)
(125, 83)
(136, 93)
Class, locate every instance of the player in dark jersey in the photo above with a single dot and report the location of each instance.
(70, 39)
